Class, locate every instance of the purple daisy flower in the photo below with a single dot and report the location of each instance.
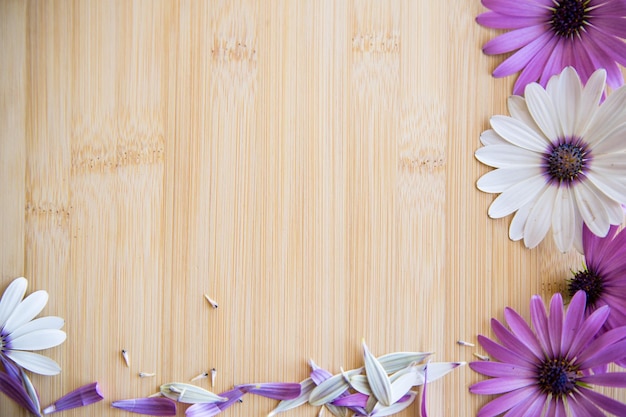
(549, 35)
(548, 370)
(603, 277)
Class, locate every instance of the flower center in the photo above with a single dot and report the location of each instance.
(568, 17)
(556, 377)
(566, 161)
(588, 281)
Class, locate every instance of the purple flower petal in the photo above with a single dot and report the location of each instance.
(573, 320)
(587, 331)
(511, 342)
(501, 385)
(539, 319)
(153, 406)
(277, 391)
(604, 356)
(499, 369)
(352, 400)
(555, 323)
(609, 379)
(203, 410)
(501, 353)
(234, 395)
(499, 21)
(85, 395)
(512, 41)
(522, 330)
(12, 387)
(604, 402)
(320, 375)
(505, 402)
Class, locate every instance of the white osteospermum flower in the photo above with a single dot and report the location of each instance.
(19, 333)
(560, 160)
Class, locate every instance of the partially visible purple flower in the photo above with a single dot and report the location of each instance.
(153, 406)
(12, 387)
(603, 277)
(85, 395)
(549, 35)
(275, 390)
(549, 367)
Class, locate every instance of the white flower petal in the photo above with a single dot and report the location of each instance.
(589, 100)
(611, 114)
(26, 310)
(396, 361)
(608, 184)
(519, 110)
(34, 362)
(563, 219)
(377, 377)
(330, 389)
(48, 322)
(616, 162)
(382, 411)
(11, 298)
(613, 141)
(403, 383)
(501, 179)
(360, 384)
(591, 209)
(567, 100)
(516, 230)
(499, 156)
(517, 196)
(539, 218)
(578, 230)
(189, 394)
(542, 109)
(38, 340)
(518, 133)
(490, 137)
(437, 370)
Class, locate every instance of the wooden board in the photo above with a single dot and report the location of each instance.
(308, 164)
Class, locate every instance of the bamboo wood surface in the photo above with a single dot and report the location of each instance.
(307, 163)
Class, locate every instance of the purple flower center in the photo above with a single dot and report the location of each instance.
(556, 377)
(588, 281)
(565, 161)
(568, 17)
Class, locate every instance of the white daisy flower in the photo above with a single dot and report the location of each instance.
(560, 160)
(19, 333)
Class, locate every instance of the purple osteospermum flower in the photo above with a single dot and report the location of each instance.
(550, 35)
(560, 159)
(603, 278)
(548, 370)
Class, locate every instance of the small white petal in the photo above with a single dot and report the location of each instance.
(377, 377)
(360, 384)
(189, 394)
(589, 100)
(393, 362)
(615, 162)
(501, 179)
(11, 298)
(490, 137)
(578, 238)
(591, 209)
(567, 100)
(516, 230)
(38, 340)
(517, 196)
(437, 370)
(519, 110)
(26, 310)
(34, 362)
(542, 109)
(500, 156)
(519, 134)
(610, 114)
(382, 411)
(539, 219)
(401, 384)
(563, 219)
(48, 322)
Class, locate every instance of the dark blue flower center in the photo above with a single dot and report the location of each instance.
(589, 282)
(568, 17)
(566, 161)
(556, 377)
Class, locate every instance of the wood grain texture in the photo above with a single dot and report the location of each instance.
(308, 164)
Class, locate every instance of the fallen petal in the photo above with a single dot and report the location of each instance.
(329, 389)
(352, 400)
(152, 406)
(190, 394)
(393, 362)
(360, 384)
(85, 395)
(275, 390)
(306, 387)
(377, 377)
(30, 389)
(381, 410)
(203, 410)
(234, 395)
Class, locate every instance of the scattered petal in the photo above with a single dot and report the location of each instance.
(126, 358)
(275, 390)
(211, 301)
(377, 377)
(306, 387)
(190, 394)
(153, 406)
(85, 395)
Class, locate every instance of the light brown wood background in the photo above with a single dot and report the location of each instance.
(307, 163)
